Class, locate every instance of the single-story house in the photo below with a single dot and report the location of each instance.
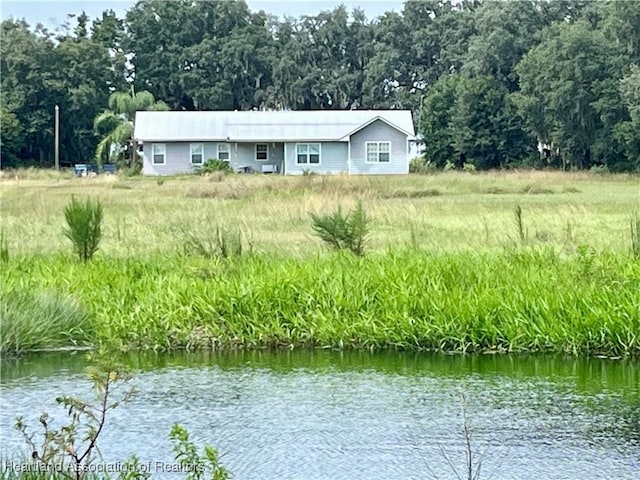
(287, 142)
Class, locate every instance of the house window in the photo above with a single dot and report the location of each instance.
(378, 152)
(262, 151)
(308, 154)
(223, 152)
(196, 153)
(158, 154)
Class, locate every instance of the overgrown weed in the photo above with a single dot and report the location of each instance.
(84, 226)
(343, 231)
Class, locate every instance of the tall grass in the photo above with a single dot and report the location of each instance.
(452, 291)
(4, 248)
(208, 242)
(41, 320)
(635, 234)
(520, 228)
(448, 207)
(531, 299)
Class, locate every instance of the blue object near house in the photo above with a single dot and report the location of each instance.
(285, 142)
(81, 169)
(84, 169)
(109, 168)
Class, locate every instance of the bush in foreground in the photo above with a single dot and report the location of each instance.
(84, 222)
(343, 231)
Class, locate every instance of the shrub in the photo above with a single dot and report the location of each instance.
(130, 170)
(422, 166)
(73, 447)
(215, 165)
(229, 243)
(220, 243)
(343, 232)
(599, 169)
(468, 167)
(205, 465)
(69, 451)
(84, 221)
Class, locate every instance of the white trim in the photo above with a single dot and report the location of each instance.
(163, 147)
(378, 143)
(192, 147)
(348, 135)
(255, 150)
(228, 152)
(308, 144)
(349, 157)
(284, 158)
(408, 161)
(245, 140)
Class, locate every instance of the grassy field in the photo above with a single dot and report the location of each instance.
(448, 212)
(532, 300)
(447, 268)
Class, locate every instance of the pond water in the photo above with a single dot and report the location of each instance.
(345, 415)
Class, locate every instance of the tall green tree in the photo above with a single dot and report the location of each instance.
(628, 132)
(87, 77)
(320, 60)
(199, 54)
(621, 26)
(486, 128)
(42, 70)
(435, 121)
(388, 77)
(414, 49)
(568, 92)
(12, 136)
(108, 31)
(505, 31)
(116, 126)
(30, 89)
(473, 120)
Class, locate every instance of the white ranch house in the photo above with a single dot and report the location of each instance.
(321, 141)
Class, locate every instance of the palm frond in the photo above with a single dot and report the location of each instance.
(159, 107)
(122, 133)
(144, 100)
(122, 103)
(106, 122)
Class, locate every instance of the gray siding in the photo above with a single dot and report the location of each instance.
(333, 159)
(333, 156)
(178, 157)
(244, 155)
(381, 132)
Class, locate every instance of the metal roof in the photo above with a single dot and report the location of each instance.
(234, 126)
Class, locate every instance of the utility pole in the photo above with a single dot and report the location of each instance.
(57, 137)
(57, 154)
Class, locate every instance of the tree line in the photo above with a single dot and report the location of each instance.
(490, 83)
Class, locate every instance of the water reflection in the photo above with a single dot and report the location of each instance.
(356, 415)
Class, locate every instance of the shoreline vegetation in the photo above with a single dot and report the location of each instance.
(497, 262)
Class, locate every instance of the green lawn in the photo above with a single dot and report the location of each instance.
(446, 269)
(446, 212)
